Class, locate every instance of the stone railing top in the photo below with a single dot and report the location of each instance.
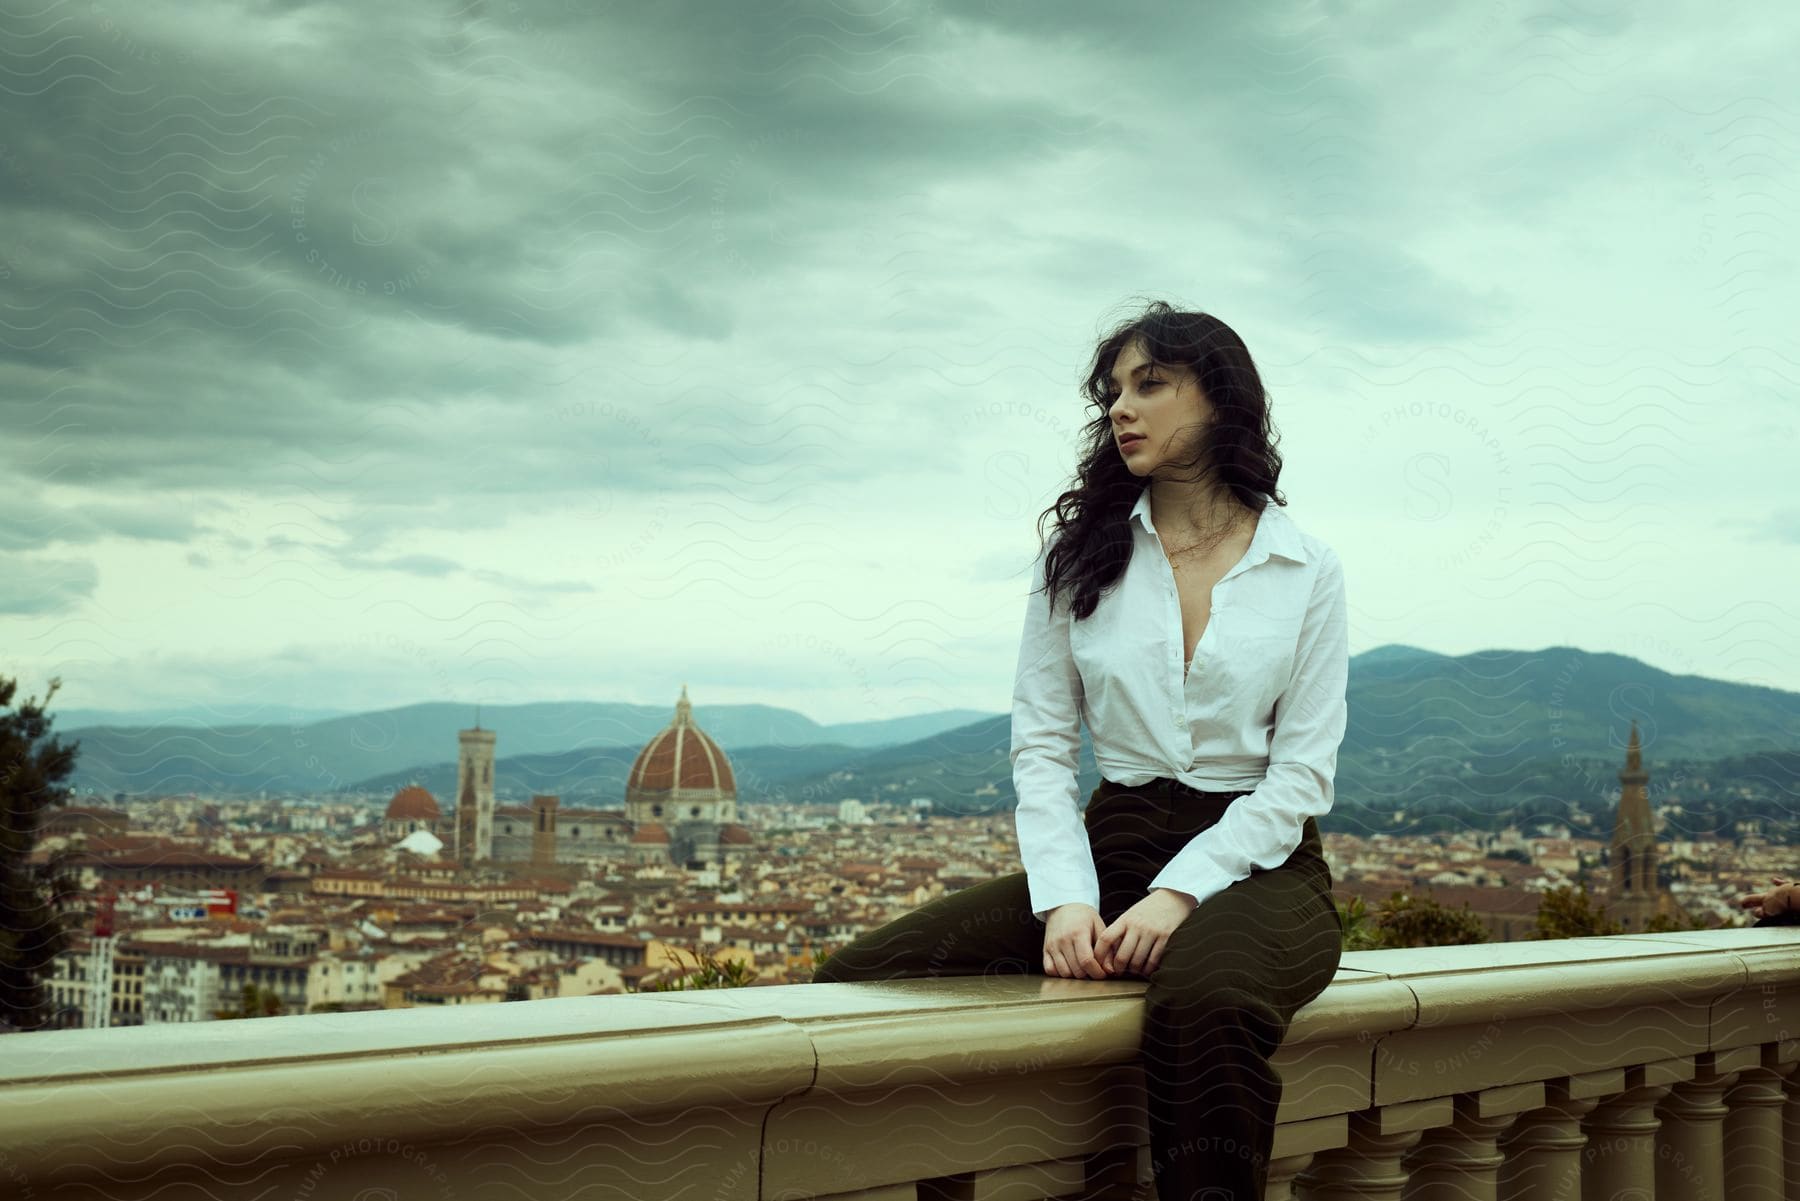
(417, 1073)
(1450, 984)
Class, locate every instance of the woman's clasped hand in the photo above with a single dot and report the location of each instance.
(1078, 944)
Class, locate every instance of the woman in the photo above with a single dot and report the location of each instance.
(1203, 636)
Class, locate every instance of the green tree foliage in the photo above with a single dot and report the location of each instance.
(1567, 912)
(1669, 923)
(33, 767)
(1404, 920)
(255, 1002)
(708, 972)
(1357, 925)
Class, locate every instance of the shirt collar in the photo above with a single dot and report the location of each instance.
(1275, 533)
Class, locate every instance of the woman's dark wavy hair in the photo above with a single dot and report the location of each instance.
(1093, 540)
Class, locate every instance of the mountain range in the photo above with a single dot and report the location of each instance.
(1538, 732)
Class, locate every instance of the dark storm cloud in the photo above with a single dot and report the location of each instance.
(429, 566)
(368, 313)
(32, 587)
(311, 240)
(422, 566)
(32, 523)
(382, 265)
(438, 567)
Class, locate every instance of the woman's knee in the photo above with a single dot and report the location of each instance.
(893, 952)
(1217, 994)
(1222, 1008)
(831, 971)
(851, 963)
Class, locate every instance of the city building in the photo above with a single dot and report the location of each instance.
(680, 807)
(1635, 894)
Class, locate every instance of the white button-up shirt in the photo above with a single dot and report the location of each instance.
(1262, 706)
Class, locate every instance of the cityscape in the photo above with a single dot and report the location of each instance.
(523, 672)
(206, 908)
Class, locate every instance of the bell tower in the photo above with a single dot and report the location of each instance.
(475, 795)
(1634, 850)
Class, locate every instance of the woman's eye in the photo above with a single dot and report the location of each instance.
(1150, 383)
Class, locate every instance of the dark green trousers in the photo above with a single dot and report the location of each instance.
(1218, 1004)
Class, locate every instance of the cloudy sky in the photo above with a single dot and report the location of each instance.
(357, 354)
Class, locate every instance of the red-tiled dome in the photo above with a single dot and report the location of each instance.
(735, 835)
(413, 803)
(650, 832)
(681, 756)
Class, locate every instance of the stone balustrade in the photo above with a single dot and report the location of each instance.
(1598, 1069)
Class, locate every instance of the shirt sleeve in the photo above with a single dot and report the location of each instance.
(1262, 828)
(1046, 750)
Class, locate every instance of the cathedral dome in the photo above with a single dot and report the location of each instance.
(681, 759)
(413, 803)
(735, 835)
(651, 833)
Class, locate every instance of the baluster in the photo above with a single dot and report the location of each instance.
(1619, 1161)
(1460, 1162)
(1368, 1169)
(1543, 1149)
(1280, 1184)
(1690, 1154)
(1790, 1135)
(1753, 1150)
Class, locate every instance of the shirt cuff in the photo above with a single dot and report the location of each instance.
(1043, 901)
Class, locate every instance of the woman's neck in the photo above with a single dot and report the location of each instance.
(1186, 512)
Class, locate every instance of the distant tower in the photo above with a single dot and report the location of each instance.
(1634, 898)
(475, 796)
(543, 830)
(100, 967)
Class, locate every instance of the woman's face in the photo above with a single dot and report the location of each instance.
(1163, 403)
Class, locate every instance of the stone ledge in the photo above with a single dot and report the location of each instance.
(872, 1089)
